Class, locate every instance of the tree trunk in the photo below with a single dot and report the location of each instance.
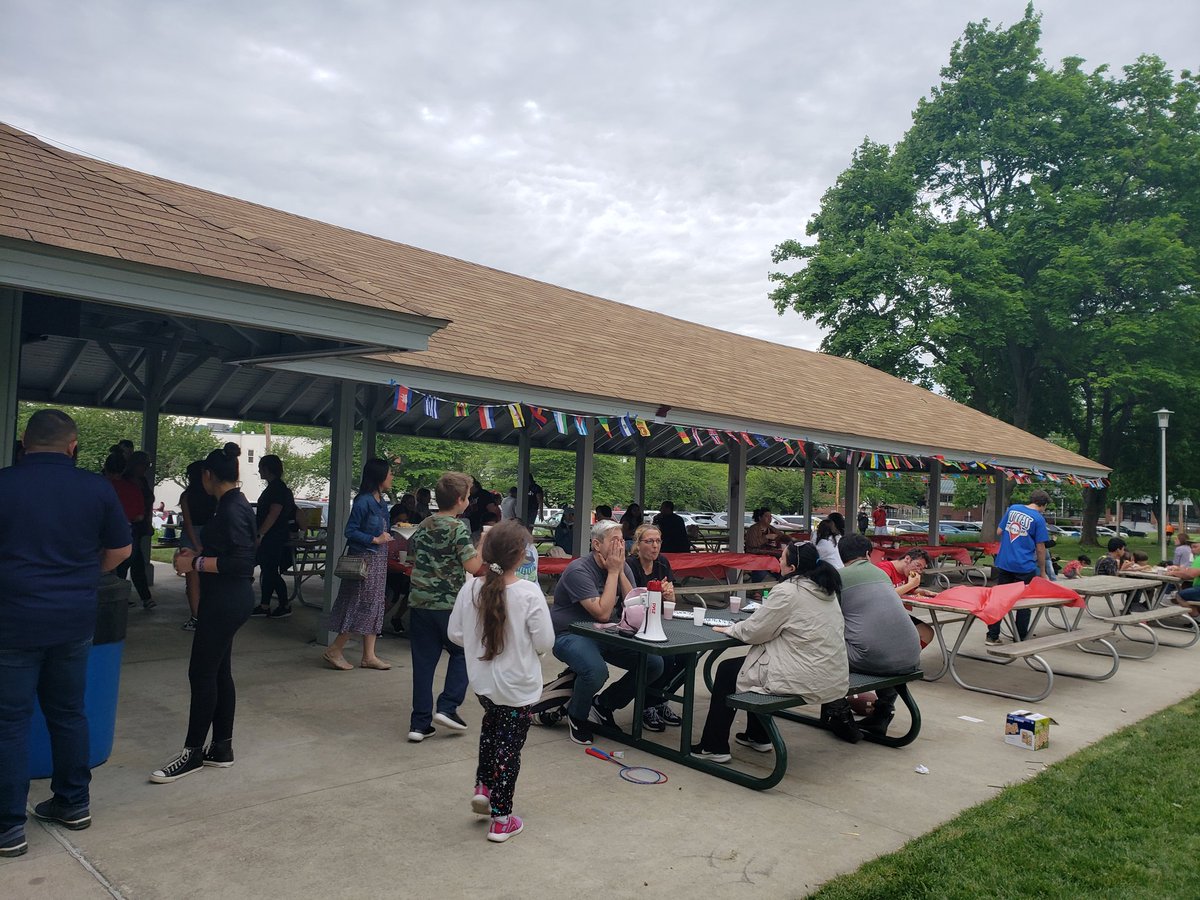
(1094, 500)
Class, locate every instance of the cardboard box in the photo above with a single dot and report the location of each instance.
(1027, 729)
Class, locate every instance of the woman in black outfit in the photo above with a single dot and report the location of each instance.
(226, 571)
(274, 514)
(649, 565)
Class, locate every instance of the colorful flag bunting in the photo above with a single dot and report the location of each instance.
(626, 425)
(431, 406)
(696, 437)
(486, 420)
(643, 428)
(603, 420)
(762, 441)
(461, 410)
(560, 422)
(683, 435)
(539, 414)
(745, 437)
(518, 417)
(403, 398)
(715, 436)
(580, 425)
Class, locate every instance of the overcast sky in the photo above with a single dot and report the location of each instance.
(649, 152)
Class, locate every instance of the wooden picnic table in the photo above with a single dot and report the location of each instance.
(1140, 593)
(944, 612)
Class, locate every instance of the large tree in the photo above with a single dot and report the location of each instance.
(1029, 246)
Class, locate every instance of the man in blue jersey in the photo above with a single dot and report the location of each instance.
(1022, 555)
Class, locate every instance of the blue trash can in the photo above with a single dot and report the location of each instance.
(103, 682)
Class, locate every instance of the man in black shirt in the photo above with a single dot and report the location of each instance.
(674, 531)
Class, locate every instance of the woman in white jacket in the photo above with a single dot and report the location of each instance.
(503, 623)
(797, 646)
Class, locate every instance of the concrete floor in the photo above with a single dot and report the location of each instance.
(328, 799)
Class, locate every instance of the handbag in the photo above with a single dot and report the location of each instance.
(350, 567)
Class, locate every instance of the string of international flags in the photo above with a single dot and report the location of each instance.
(888, 465)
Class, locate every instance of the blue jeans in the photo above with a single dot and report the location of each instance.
(1003, 576)
(56, 676)
(427, 638)
(588, 660)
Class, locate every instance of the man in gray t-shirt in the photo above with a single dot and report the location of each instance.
(592, 590)
(880, 636)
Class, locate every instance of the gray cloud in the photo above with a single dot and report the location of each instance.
(650, 153)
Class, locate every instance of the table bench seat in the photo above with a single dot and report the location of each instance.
(1034, 646)
(767, 706)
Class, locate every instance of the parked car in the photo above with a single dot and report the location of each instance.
(943, 528)
(977, 527)
(901, 525)
(721, 520)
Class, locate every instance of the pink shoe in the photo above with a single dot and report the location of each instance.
(481, 803)
(502, 831)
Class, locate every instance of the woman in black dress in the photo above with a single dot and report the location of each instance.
(226, 571)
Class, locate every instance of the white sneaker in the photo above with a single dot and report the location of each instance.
(417, 736)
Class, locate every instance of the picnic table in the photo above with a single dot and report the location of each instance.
(1141, 594)
(684, 638)
(963, 605)
(959, 554)
(696, 565)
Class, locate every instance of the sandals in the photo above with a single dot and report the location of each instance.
(376, 663)
(336, 662)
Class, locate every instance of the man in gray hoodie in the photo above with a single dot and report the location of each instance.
(880, 636)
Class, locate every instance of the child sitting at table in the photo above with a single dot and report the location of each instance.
(1110, 563)
(1139, 563)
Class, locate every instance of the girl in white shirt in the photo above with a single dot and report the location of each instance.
(829, 534)
(503, 624)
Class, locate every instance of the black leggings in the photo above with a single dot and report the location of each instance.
(224, 608)
(135, 567)
(273, 560)
(720, 716)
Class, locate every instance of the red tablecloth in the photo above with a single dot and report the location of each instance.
(988, 548)
(991, 604)
(696, 565)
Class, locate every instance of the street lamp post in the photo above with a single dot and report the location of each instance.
(1164, 416)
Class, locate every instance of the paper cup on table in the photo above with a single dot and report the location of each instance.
(669, 609)
(402, 556)
(735, 604)
(698, 614)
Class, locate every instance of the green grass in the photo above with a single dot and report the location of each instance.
(1117, 819)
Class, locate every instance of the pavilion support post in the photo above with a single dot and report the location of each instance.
(370, 425)
(152, 379)
(737, 497)
(10, 370)
(737, 508)
(808, 490)
(993, 507)
(639, 473)
(524, 454)
(934, 502)
(851, 495)
(340, 484)
(585, 451)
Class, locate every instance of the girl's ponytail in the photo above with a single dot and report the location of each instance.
(503, 550)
